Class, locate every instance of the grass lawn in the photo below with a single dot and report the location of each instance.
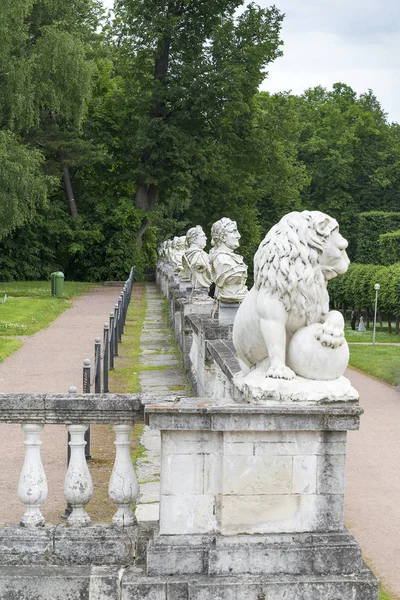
(42, 288)
(383, 595)
(380, 361)
(25, 316)
(366, 336)
(8, 346)
(30, 307)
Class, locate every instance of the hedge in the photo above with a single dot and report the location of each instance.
(389, 247)
(355, 289)
(371, 226)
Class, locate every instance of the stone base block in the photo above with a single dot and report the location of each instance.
(284, 554)
(59, 583)
(364, 586)
(60, 545)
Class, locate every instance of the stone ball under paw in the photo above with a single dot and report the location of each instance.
(308, 358)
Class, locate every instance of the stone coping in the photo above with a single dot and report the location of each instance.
(210, 328)
(222, 352)
(75, 408)
(224, 415)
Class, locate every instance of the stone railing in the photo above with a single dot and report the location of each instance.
(58, 543)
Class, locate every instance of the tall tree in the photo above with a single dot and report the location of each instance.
(195, 67)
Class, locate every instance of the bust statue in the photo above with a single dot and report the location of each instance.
(178, 247)
(228, 270)
(196, 261)
(284, 327)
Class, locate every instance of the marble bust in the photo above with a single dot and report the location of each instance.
(284, 327)
(177, 250)
(228, 270)
(196, 261)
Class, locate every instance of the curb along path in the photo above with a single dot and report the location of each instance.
(163, 376)
(49, 361)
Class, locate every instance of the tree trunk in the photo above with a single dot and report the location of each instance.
(397, 324)
(69, 192)
(367, 318)
(146, 194)
(389, 320)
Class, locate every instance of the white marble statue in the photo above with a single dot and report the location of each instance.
(177, 250)
(228, 270)
(283, 326)
(196, 261)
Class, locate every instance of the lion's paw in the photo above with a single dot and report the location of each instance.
(330, 336)
(280, 372)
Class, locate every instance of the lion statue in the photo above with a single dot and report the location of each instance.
(291, 268)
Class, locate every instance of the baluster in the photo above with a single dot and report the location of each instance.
(78, 486)
(123, 488)
(32, 487)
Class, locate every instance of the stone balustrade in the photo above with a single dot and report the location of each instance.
(35, 411)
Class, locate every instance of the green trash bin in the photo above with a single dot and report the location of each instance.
(57, 284)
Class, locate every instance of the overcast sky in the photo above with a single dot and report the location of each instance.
(356, 42)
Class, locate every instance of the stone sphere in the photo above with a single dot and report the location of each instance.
(308, 358)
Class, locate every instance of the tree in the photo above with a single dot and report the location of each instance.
(194, 68)
(351, 154)
(46, 76)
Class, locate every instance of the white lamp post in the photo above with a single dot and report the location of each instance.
(376, 288)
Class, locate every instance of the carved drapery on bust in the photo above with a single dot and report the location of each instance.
(196, 260)
(284, 326)
(228, 270)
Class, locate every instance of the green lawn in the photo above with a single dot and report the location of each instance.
(42, 288)
(383, 595)
(366, 336)
(25, 316)
(380, 361)
(30, 307)
(8, 346)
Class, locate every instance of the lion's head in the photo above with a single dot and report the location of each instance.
(296, 258)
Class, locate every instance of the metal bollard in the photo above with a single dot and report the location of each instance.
(71, 390)
(120, 318)
(97, 366)
(86, 390)
(116, 340)
(105, 358)
(111, 336)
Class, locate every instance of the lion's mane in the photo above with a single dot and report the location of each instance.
(287, 263)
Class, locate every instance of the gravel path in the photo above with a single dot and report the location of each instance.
(49, 361)
(373, 479)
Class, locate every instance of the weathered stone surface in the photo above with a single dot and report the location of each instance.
(58, 583)
(51, 545)
(294, 554)
(202, 413)
(67, 408)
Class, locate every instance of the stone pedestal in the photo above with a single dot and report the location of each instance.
(200, 307)
(227, 312)
(185, 285)
(250, 490)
